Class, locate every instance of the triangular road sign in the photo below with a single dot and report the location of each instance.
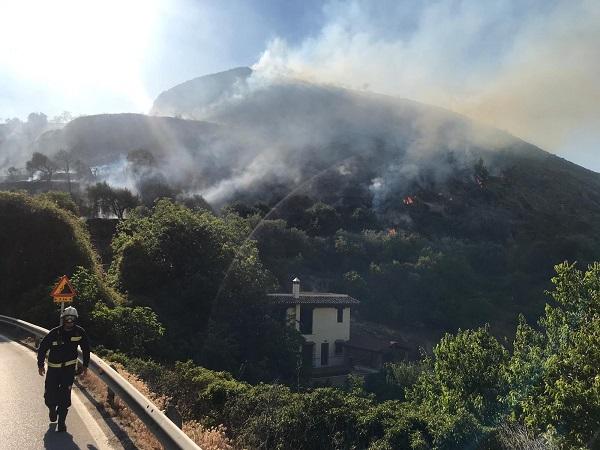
(63, 291)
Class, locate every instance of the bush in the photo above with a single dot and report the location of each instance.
(208, 286)
(135, 330)
(39, 242)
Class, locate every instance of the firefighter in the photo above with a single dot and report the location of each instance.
(61, 344)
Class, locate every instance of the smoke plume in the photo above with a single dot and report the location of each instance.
(530, 68)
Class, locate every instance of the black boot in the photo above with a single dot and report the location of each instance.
(52, 415)
(62, 417)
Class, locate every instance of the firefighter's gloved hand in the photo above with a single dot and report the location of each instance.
(41, 371)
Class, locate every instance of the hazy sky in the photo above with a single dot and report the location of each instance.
(529, 67)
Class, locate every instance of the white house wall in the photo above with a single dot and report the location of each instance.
(327, 329)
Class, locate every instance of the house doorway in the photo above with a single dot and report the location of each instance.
(325, 354)
(307, 355)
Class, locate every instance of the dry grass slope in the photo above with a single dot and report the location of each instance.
(207, 438)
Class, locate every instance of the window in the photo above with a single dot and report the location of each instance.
(339, 348)
(306, 319)
(340, 315)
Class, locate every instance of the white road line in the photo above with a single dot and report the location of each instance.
(89, 422)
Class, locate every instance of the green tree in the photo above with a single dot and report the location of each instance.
(281, 248)
(61, 199)
(65, 161)
(293, 210)
(207, 284)
(324, 219)
(460, 389)
(194, 202)
(563, 393)
(92, 288)
(570, 403)
(152, 187)
(135, 330)
(111, 200)
(525, 369)
(13, 173)
(363, 219)
(41, 163)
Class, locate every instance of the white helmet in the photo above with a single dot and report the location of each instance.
(69, 311)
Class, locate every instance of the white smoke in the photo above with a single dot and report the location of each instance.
(116, 173)
(530, 68)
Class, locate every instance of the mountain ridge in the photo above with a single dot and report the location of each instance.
(419, 212)
(199, 90)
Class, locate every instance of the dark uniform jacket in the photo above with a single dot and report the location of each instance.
(63, 347)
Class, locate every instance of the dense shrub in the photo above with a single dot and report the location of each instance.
(39, 242)
(207, 284)
(273, 416)
(471, 393)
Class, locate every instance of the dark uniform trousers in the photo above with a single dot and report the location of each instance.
(61, 345)
(57, 388)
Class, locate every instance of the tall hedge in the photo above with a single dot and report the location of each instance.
(39, 242)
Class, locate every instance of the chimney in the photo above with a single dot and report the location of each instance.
(296, 287)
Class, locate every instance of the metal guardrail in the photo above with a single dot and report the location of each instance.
(167, 433)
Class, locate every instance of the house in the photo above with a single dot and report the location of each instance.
(323, 319)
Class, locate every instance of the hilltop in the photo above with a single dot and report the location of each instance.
(192, 95)
(465, 221)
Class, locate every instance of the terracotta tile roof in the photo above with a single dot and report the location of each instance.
(314, 298)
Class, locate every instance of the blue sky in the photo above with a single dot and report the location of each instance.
(160, 42)
(530, 67)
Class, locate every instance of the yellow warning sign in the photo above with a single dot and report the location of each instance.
(63, 291)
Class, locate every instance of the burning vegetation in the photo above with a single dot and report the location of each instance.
(408, 200)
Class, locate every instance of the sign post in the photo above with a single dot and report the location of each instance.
(63, 293)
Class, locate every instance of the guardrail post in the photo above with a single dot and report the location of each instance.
(110, 395)
(174, 415)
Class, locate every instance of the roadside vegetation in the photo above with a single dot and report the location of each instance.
(183, 308)
(472, 392)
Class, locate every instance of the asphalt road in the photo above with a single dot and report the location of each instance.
(24, 420)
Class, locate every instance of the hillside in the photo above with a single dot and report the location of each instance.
(193, 94)
(104, 138)
(467, 221)
(472, 219)
(185, 150)
(304, 136)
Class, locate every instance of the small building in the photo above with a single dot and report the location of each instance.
(368, 353)
(323, 319)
